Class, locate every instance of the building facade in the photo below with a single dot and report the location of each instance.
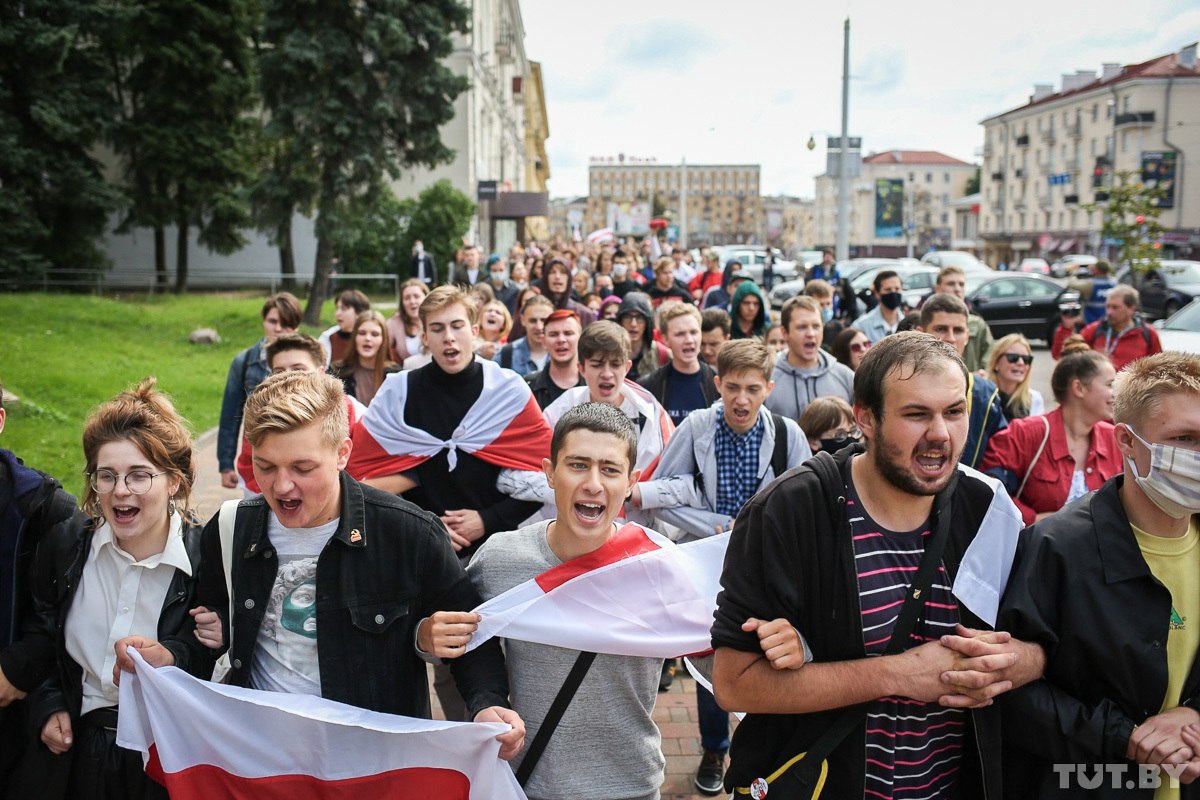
(788, 224)
(1047, 161)
(499, 129)
(899, 195)
(721, 204)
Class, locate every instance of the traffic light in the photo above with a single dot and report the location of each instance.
(1097, 177)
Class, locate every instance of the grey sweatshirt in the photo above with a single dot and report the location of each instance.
(796, 388)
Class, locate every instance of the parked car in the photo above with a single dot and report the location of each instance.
(849, 269)
(752, 258)
(1166, 289)
(1181, 331)
(959, 258)
(1071, 265)
(1038, 266)
(1013, 302)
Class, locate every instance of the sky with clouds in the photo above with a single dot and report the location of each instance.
(749, 81)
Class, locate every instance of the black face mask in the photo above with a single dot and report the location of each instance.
(604, 292)
(892, 300)
(831, 446)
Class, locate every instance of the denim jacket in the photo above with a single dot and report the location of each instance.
(248, 370)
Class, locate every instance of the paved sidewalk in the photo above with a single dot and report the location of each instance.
(675, 711)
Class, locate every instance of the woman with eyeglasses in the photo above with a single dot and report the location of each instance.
(829, 424)
(1010, 367)
(1049, 460)
(850, 346)
(129, 569)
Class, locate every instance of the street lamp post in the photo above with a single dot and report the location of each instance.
(843, 227)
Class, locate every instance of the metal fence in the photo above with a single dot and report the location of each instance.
(103, 281)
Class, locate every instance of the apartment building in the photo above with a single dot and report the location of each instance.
(722, 200)
(1046, 160)
(897, 195)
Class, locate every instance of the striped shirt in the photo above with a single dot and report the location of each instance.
(912, 748)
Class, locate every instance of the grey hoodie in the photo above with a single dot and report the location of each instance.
(796, 388)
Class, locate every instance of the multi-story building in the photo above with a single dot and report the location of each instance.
(1047, 160)
(898, 194)
(567, 216)
(965, 235)
(490, 133)
(721, 204)
(787, 224)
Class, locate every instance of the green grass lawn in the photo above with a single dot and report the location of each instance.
(64, 354)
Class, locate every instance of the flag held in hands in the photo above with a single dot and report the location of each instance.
(637, 595)
(203, 740)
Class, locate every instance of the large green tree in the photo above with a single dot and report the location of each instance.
(440, 217)
(360, 88)
(54, 201)
(182, 75)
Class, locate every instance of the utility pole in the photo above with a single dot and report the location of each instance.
(912, 223)
(843, 223)
(683, 187)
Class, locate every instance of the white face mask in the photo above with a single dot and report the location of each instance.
(1173, 483)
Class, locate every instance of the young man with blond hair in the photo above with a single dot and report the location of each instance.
(686, 383)
(379, 566)
(1110, 586)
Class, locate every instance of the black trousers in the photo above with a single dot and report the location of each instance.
(103, 771)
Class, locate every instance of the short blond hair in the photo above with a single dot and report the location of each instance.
(675, 310)
(803, 302)
(662, 263)
(743, 354)
(289, 401)
(444, 297)
(1140, 386)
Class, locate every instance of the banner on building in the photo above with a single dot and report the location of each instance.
(889, 208)
(1158, 171)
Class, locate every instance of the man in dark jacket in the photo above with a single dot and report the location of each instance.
(1110, 586)
(820, 564)
(336, 581)
(685, 384)
(31, 504)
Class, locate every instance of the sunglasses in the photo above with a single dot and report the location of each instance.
(858, 347)
(1013, 358)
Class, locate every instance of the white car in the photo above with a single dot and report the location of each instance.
(1181, 331)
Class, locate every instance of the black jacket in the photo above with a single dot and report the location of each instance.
(545, 390)
(389, 566)
(1081, 588)
(60, 561)
(656, 383)
(786, 559)
(32, 506)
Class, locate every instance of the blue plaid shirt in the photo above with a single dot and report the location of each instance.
(737, 465)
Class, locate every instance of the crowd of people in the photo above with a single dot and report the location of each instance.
(399, 470)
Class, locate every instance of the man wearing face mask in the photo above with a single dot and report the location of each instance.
(1110, 586)
(622, 284)
(886, 315)
(505, 290)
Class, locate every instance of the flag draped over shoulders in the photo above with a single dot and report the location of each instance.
(203, 740)
(504, 427)
(637, 595)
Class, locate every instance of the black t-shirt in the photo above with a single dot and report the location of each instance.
(684, 394)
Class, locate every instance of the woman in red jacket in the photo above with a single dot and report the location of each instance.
(1049, 460)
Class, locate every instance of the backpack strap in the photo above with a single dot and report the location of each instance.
(559, 707)
(779, 453)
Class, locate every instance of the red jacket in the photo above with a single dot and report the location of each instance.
(1012, 449)
(1136, 342)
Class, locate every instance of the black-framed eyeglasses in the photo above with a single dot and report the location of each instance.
(1013, 358)
(139, 481)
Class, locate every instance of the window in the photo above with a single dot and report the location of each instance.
(929, 177)
(1126, 103)
(1095, 111)
(945, 178)
(911, 177)
(945, 217)
(1125, 141)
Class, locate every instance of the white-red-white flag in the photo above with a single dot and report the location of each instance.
(637, 595)
(504, 427)
(204, 740)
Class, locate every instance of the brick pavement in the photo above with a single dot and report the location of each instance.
(675, 711)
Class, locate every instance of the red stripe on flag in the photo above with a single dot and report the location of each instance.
(206, 781)
(368, 459)
(629, 541)
(523, 444)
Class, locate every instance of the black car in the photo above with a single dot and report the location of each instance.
(1012, 302)
(1166, 289)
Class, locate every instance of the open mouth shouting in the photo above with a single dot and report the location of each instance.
(932, 462)
(125, 514)
(589, 513)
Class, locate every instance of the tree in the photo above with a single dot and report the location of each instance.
(1131, 217)
(973, 183)
(362, 90)
(53, 104)
(440, 217)
(182, 77)
(373, 233)
(286, 184)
